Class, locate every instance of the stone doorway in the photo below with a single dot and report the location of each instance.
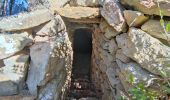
(81, 83)
(82, 48)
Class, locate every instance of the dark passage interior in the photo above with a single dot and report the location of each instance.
(81, 85)
(82, 47)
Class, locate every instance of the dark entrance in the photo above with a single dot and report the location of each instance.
(82, 47)
(81, 85)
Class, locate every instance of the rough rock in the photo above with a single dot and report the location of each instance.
(109, 31)
(8, 88)
(53, 27)
(53, 89)
(53, 47)
(58, 3)
(11, 44)
(135, 70)
(154, 28)
(149, 6)
(44, 69)
(112, 47)
(122, 57)
(17, 97)
(78, 12)
(12, 74)
(134, 18)
(113, 13)
(85, 3)
(25, 20)
(149, 52)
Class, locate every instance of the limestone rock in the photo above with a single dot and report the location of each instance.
(78, 12)
(154, 28)
(113, 13)
(53, 27)
(149, 52)
(8, 88)
(12, 74)
(53, 89)
(11, 44)
(139, 74)
(58, 3)
(44, 69)
(134, 18)
(25, 20)
(109, 32)
(48, 55)
(113, 47)
(122, 57)
(89, 3)
(17, 97)
(149, 6)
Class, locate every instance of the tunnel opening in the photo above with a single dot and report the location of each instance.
(82, 48)
(81, 83)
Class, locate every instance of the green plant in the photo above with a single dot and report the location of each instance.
(140, 92)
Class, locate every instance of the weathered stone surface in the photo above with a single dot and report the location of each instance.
(109, 32)
(78, 12)
(149, 52)
(149, 6)
(12, 74)
(113, 13)
(134, 18)
(52, 28)
(44, 69)
(53, 89)
(11, 44)
(122, 57)
(17, 97)
(49, 55)
(90, 3)
(58, 3)
(8, 88)
(154, 28)
(25, 20)
(135, 70)
(112, 47)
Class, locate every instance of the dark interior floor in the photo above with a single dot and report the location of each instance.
(81, 66)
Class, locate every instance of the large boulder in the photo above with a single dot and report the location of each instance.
(134, 18)
(49, 55)
(12, 43)
(12, 74)
(154, 28)
(135, 71)
(149, 52)
(53, 89)
(25, 20)
(79, 12)
(112, 11)
(149, 6)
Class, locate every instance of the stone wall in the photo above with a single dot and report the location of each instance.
(128, 40)
(36, 56)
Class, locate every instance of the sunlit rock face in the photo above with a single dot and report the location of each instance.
(149, 52)
(12, 43)
(128, 40)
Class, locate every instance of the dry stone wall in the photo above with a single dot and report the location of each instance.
(36, 56)
(128, 40)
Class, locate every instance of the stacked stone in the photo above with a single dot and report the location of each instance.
(141, 47)
(36, 56)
